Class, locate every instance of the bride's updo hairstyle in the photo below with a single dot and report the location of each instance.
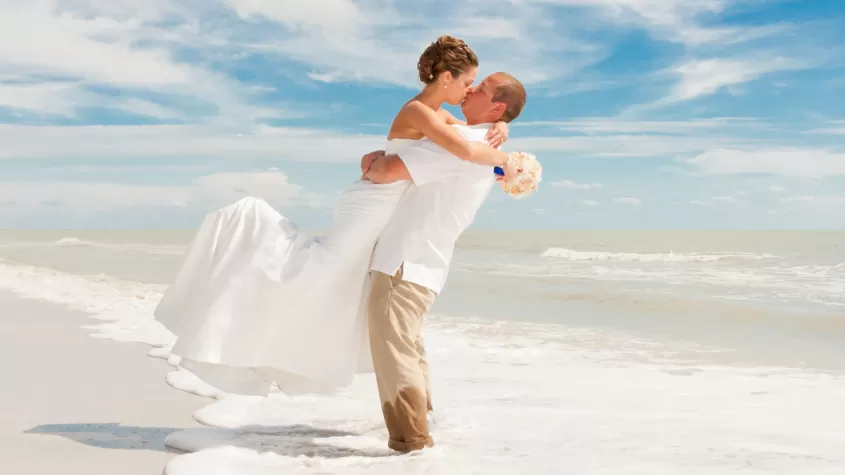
(445, 54)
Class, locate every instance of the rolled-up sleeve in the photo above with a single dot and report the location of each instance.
(427, 161)
(426, 166)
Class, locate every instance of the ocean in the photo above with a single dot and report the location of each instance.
(551, 351)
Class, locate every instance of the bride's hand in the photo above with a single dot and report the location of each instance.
(367, 160)
(510, 170)
(497, 135)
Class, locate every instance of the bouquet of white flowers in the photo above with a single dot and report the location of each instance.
(526, 181)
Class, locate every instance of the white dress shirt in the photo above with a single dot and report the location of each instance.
(442, 202)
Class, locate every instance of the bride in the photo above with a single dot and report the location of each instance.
(258, 302)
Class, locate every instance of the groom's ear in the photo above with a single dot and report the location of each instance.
(498, 109)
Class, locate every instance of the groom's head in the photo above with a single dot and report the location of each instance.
(500, 96)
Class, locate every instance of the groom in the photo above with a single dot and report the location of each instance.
(411, 259)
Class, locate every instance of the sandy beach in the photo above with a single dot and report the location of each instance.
(74, 404)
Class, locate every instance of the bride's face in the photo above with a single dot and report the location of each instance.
(457, 87)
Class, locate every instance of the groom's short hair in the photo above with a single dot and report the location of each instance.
(512, 93)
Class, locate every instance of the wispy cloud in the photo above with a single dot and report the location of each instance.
(80, 47)
(815, 201)
(679, 21)
(214, 189)
(725, 199)
(380, 40)
(92, 87)
(698, 78)
(703, 77)
(835, 127)
(180, 141)
(628, 200)
(791, 162)
(65, 99)
(618, 125)
(625, 145)
(571, 185)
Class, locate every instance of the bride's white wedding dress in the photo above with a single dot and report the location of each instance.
(258, 301)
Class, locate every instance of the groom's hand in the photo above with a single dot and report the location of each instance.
(497, 135)
(367, 161)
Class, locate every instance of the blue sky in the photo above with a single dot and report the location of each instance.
(645, 113)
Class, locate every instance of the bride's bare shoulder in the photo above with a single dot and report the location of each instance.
(403, 123)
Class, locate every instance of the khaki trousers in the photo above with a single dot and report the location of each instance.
(396, 311)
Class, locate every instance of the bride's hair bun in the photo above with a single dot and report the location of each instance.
(446, 54)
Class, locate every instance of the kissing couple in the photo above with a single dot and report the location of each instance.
(259, 303)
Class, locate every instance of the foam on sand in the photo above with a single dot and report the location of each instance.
(510, 398)
(508, 409)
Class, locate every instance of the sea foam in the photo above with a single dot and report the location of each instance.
(569, 254)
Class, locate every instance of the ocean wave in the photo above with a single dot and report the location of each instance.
(169, 250)
(162, 249)
(571, 255)
(125, 307)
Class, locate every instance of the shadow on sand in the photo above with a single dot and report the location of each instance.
(290, 441)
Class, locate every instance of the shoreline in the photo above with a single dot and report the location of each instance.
(78, 405)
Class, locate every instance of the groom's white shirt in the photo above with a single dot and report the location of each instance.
(439, 206)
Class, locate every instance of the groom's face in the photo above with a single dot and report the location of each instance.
(478, 107)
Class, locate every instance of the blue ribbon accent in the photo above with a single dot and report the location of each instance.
(498, 171)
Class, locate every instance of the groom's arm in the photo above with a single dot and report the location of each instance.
(417, 166)
(423, 163)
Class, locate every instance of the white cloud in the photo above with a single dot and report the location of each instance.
(792, 162)
(571, 185)
(628, 200)
(329, 78)
(121, 45)
(140, 46)
(697, 203)
(625, 145)
(776, 189)
(380, 40)
(325, 15)
(704, 154)
(64, 98)
(590, 203)
(836, 127)
(817, 201)
(675, 20)
(615, 125)
(305, 144)
(91, 197)
(271, 184)
(724, 199)
(47, 98)
(217, 189)
(703, 77)
(180, 141)
(48, 42)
